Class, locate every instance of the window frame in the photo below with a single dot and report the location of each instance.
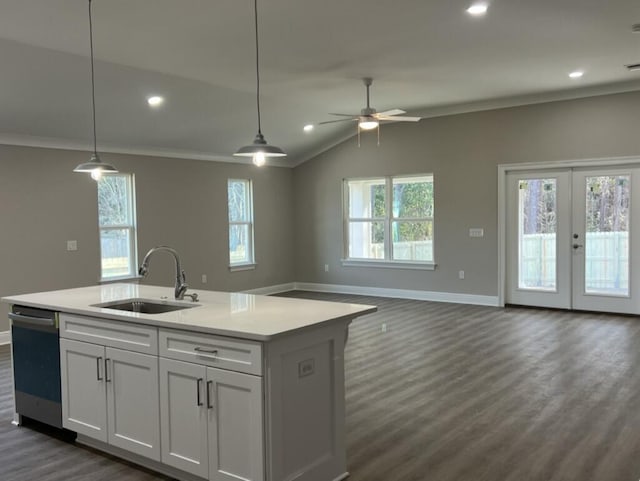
(250, 263)
(389, 218)
(132, 228)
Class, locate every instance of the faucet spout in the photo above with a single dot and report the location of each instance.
(181, 279)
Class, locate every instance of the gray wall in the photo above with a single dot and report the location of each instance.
(463, 152)
(181, 203)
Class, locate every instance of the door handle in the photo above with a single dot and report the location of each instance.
(209, 405)
(98, 362)
(198, 384)
(577, 246)
(106, 370)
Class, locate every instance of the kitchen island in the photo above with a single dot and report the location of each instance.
(233, 386)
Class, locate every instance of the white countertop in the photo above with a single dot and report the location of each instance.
(234, 314)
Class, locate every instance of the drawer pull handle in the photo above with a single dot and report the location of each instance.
(106, 370)
(98, 362)
(209, 405)
(200, 350)
(198, 384)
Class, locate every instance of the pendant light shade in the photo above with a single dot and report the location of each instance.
(95, 166)
(259, 150)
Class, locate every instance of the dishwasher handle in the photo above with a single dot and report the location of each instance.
(36, 321)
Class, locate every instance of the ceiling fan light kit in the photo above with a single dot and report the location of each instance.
(369, 118)
(260, 149)
(95, 166)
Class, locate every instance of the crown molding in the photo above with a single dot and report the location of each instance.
(64, 144)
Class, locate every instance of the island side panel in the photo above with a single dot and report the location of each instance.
(305, 405)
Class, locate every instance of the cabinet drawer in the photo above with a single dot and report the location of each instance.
(123, 335)
(210, 350)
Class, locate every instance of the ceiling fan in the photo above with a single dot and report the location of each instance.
(369, 118)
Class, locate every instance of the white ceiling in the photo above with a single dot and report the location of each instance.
(427, 57)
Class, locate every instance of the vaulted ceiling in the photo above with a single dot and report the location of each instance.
(428, 57)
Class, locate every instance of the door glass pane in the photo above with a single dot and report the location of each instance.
(606, 249)
(537, 234)
(366, 240)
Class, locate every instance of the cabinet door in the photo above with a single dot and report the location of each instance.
(183, 420)
(133, 402)
(236, 430)
(84, 405)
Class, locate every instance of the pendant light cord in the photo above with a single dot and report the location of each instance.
(255, 10)
(93, 84)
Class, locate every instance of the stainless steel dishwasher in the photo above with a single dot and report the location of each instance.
(36, 364)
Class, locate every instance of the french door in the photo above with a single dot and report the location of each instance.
(572, 239)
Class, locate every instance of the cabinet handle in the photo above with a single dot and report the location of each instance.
(98, 362)
(213, 352)
(209, 405)
(106, 370)
(198, 400)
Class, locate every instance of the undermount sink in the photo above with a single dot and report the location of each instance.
(145, 306)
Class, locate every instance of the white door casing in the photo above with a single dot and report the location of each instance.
(591, 252)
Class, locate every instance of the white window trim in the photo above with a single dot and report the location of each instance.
(388, 262)
(251, 263)
(242, 267)
(133, 237)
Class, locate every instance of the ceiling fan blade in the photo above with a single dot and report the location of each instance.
(388, 113)
(345, 115)
(400, 119)
(334, 121)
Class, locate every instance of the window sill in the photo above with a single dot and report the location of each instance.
(422, 266)
(242, 267)
(111, 280)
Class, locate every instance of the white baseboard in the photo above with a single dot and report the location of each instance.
(400, 293)
(5, 337)
(277, 289)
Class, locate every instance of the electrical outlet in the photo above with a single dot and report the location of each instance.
(306, 367)
(204, 278)
(460, 274)
(72, 245)
(326, 267)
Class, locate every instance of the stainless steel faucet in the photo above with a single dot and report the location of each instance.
(181, 284)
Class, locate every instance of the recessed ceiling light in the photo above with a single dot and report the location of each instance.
(576, 74)
(155, 100)
(478, 9)
(308, 128)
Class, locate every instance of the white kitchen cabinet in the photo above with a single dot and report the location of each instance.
(111, 395)
(211, 421)
(183, 420)
(132, 402)
(84, 399)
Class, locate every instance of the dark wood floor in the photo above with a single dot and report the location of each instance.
(443, 392)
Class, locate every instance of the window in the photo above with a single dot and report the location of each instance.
(240, 198)
(389, 220)
(117, 221)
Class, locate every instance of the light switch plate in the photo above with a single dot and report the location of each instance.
(72, 245)
(476, 232)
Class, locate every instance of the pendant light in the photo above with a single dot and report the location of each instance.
(259, 150)
(95, 166)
